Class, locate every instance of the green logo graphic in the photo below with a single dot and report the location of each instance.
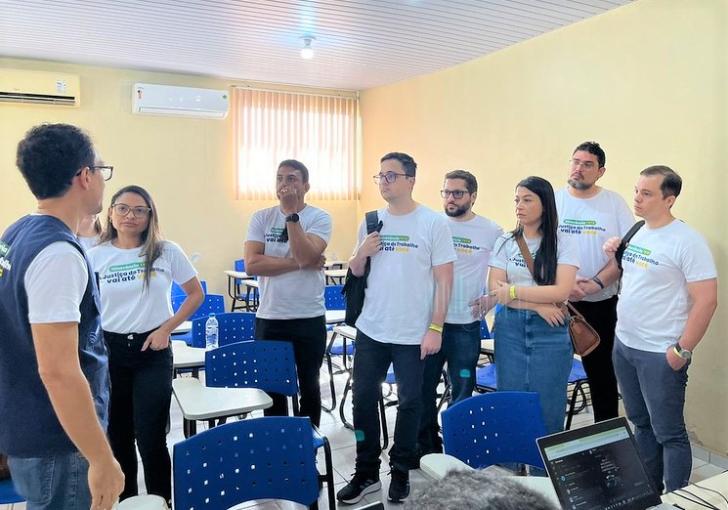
(126, 267)
(632, 248)
(580, 223)
(463, 240)
(389, 238)
(4, 249)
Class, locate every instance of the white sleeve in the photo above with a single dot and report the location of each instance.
(499, 257)
(182, 269)
(697, 261)
(443, 250)
(55, 282)
(321, 226)
(256, 229)
(567, 250)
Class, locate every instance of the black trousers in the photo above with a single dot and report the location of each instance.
(141, 391)
(602, 315)
(308, 337)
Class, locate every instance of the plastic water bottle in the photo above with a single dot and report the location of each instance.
(211, 329)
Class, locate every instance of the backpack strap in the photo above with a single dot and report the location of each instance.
(625, 241)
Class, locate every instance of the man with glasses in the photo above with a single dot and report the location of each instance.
(590, 215)
(285, 248)
(473, 238)
(54, 378)
(407, 294)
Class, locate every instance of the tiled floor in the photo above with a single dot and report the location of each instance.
(344, 452)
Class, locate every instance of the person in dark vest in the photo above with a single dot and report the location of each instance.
(54, 378)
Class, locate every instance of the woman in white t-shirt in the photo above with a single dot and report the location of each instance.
(89, 231)
(533, 350)
(136, 269)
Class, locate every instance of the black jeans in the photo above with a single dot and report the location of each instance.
(371, 362)
(141, 390)
(308, 337)
(602, 315)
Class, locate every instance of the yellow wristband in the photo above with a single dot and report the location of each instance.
(512, 292)
(434, 327)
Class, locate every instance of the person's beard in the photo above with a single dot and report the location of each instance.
(580, 185)
(459, 211)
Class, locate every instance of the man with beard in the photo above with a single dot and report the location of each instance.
(590, 215)
(473, 238)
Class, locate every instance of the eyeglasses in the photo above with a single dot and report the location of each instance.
(106, 170)
(457, 194)
(588, 165)
(389, 177)
(137, 212)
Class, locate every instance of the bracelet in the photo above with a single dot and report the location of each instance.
(434, 327)
(598, 282)
(512, 292)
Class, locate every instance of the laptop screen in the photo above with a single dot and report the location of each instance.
(598, 468)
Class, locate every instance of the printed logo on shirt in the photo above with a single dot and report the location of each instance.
(586, 227)
(518, 260)
(275, 235)
(397, 243)
(5, 264)
(127, 272)
(639, 256)
(464, 245)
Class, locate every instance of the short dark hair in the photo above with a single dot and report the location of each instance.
(671, 180)
(296, 165)
(593, 148)
(50, 156)
(408, 163)
(470, 181)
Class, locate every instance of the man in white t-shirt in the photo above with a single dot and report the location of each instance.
(473, 238)
(669, 294)
(54, 374)
(285, 248)
(405, 303)
(589, 215)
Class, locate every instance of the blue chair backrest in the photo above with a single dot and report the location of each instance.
(260, 458)
(239, 265)
(484, 331)
(179, 291)
(494, 428)
(232, 327)
(213, 303)
(263, 364)
(333, 297)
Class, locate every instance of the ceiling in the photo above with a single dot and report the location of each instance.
(359, 43)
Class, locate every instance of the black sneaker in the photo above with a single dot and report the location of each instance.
(399, 487)
(359, 486)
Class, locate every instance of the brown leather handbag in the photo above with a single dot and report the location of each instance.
(584, 337)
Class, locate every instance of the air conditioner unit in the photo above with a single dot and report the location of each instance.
(39, 87)
(179, 101)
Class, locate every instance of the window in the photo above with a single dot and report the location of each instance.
(319, 131)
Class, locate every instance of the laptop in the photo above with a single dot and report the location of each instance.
(598, 468)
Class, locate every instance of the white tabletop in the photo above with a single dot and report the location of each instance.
(185, 327)
(335, 316)
(335, 273)
(717, 483)
(330, 263)
(237, 274)
(345, 331)
(186, 356)
(198, 402)
(251, 283)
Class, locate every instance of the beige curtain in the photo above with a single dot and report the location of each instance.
(319, 131)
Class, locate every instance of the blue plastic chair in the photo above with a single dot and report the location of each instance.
(333, 298)
(177, 290)
(267, 365)
(494, 428)
(262, 458)
(8, 495)
(213, 303)
(247, 299)
(232, 327)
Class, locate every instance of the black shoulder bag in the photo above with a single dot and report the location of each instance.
(354, 286)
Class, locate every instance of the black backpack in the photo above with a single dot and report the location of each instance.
(354, 286)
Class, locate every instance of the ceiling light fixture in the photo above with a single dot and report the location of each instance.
(307, 50)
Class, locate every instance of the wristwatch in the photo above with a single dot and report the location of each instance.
(292, 218)
(683, 353)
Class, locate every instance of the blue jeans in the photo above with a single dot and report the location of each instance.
(371, 363)
(654, 399)
(56, 482)
(530, 355)
(460, 349)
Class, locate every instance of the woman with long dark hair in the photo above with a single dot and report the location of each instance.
(136, 269)
(532, 346)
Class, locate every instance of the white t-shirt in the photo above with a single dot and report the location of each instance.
(55, 282)
(88, 242)
(507, 256)
(401, 285)
(590, 222)
(473, 241)
(296, 294)
(658, 265)
(126, 305)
